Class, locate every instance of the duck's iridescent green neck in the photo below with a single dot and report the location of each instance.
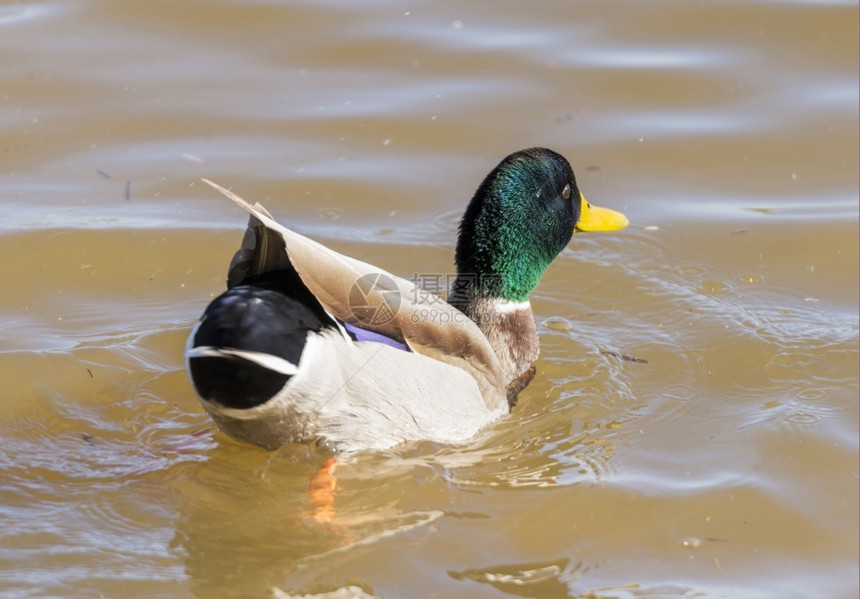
(520, 218)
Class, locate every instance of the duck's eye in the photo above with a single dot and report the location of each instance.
(566, 192)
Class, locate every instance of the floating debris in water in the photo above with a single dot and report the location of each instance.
(625, 357)
(191, 157)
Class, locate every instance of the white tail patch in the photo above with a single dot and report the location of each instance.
(273, 363)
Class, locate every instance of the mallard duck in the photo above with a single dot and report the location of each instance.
(310, 346)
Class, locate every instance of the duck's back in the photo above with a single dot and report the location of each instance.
(282, 356)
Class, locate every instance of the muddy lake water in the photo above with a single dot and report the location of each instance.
(693, 427)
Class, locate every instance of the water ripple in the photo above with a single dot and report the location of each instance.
(638, 57)
(17, 14)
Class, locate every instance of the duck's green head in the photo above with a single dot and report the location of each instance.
(522, 215)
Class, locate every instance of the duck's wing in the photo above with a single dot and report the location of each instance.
(371, 298)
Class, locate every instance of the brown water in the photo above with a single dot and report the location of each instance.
(724, 466)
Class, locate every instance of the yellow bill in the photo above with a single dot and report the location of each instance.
(595, 218)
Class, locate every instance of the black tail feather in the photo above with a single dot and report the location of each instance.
(269, 314)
